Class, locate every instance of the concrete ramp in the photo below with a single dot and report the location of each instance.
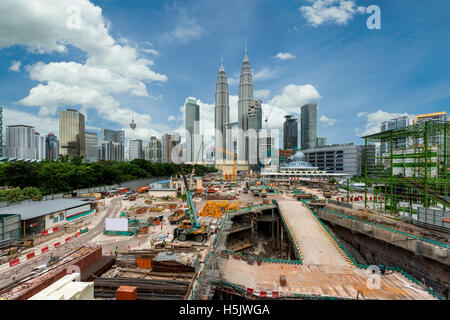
(317, 247)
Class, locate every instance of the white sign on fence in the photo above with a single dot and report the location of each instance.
(116, 224)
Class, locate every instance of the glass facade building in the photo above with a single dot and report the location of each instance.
(72, 133)
(308, 128)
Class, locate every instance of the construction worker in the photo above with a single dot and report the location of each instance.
(164, 243)
(117, 251)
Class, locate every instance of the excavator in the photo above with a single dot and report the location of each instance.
(190, 229)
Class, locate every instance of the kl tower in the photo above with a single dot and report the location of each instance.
(132, 126)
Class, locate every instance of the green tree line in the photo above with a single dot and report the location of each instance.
(63, 175)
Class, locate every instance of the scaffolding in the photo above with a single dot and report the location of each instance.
(408, 168)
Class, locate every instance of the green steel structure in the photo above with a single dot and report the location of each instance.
(407, 167)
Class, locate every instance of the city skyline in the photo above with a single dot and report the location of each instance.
(293, 72)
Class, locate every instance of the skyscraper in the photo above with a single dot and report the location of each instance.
(245, 99)
(168, 143)
(116, 145)
(23, 142)
(91, 147)
(290, 133)
(135, 150)
(192, 129)
(1, 132)
(221, 112)
(308, 128)
(72, 133)
(51, 146)
(154, 147)
(321, 142)
(254, 127)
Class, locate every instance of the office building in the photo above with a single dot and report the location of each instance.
(154, 150)
(345, 158)
(437, 116)
(308, 126)
(254, 127)
(244, 101)
(290, 133)
(23, 142)
(115, 149)
(231, 133)
(135, 150)
(168, 144)
(192, 129)
(71, 133)
(221, 113)
(393, 124)
(1, 132)
(321, 142)
(91, 147)
(51, 147)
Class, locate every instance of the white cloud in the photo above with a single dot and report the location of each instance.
(47, 26)
(186, 30)
(330, 11)
(327, 122)
(284, 56)
(375, 119)
(150, 51)
(15, 66)
(362, 114)
(266, 74)
(261, 94)
(294, 96)
(171, 118)
(43, 125)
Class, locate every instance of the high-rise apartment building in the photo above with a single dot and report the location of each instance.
(72, 133)
(290, 133)
(221, 113)
(308, 129)
(244, 101)
(91, 147)
(51, 146)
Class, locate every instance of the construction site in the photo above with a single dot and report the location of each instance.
(241, 237)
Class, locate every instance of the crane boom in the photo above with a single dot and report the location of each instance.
(190, 202)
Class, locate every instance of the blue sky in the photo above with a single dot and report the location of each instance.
(147, 57)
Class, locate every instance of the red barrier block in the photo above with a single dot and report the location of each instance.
(263, 294)
(55, 229)
(275, 294)
(30, 256)
(250, 290)
(44, 250)
(57, 244)
(14, 262)
(68, 239)
(45, 233)
(77, 234)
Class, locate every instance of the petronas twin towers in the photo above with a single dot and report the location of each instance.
(222, 109)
